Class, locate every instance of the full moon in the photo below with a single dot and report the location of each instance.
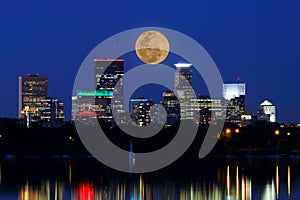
(152, 47)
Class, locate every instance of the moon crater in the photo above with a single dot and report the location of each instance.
(152, 47)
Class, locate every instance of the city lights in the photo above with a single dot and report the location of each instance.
(228, 131)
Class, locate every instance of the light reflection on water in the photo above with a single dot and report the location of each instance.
(227, 181)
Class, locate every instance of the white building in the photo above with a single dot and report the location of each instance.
(267, 112)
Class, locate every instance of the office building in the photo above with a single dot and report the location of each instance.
(184, 91)
(50, 112)
(172, 107)
(108, 72)
(266, 112)
(84, 103)
(140, 111)
(208, 110)
(246, 119)
(32, 89)
(234, 94)
(234, 90)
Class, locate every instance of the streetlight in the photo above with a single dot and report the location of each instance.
(237, 130)
(228, 132)
(277, 132)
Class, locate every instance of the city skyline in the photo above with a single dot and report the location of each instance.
(104, 86)
(257, 42)
(97, 102)
(150, 100)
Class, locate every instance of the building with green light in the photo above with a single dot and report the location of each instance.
(86, 101)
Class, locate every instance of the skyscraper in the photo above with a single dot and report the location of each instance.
(210, 110)
(184, 91)
(85, 101)
(107, 73)
(140, 111)
(266, 112)
(50, 112)
(234, 94)
(32, 88)
(172, 107)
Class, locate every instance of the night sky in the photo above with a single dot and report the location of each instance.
(255, 40)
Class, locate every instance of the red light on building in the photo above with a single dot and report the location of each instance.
(238, 78)
(87, 113)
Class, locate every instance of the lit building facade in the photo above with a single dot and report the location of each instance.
(233, 90)
(108, 72)
(246, 120)
(75, 107)
(266, 112)
(140, 111)
(86, 101)
(50, 112)
(184, 91)
(234, 94)
(32, 89)
(209, 110)
(172, 107)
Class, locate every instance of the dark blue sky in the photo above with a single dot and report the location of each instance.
(255, 40)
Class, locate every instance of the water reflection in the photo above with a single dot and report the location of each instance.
(84, 191)
(227, 180)
(241, 188)
(42, 192)
(0, 174)
(237, 180)
(70, 172)
(289, 182)
(269, 192)
(277, 182)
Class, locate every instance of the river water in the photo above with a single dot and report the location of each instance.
(86, 179)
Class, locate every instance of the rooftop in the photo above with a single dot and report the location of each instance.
(183, 65)
(108, 60)
(266, 103)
